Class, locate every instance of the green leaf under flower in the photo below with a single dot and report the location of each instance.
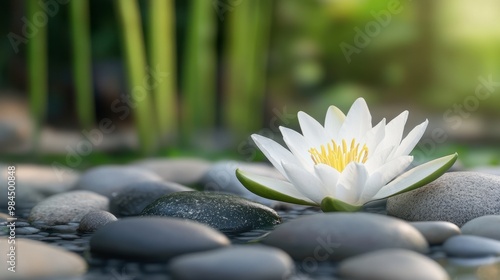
(330, 204)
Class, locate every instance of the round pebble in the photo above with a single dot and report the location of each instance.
(67, 207)
(109, 179)
(392, 264)
(186, 171)
(94, 220)
(236, 262)
(37, 260)
(225, 212)
(436, 232)
(469, 246)
(133, 198)
(485, 226)
(336, 236)
(455, 197)
(154, 239)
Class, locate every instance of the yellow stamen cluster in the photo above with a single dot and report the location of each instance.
(338, 156)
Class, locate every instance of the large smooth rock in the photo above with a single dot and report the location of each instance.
(36, 182)
(485, 226)
(225, 212)
(37, 260)
(469, 246)
(236, 262)
(94, 220)
(108, 180)
(133, 198)
(392, 264)
(436, 232)
(221, 177)
(186, 171)
(456, 197)
(336, 236)
(67, 207)
(154, 239)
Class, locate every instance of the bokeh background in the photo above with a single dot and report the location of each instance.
(112, 81)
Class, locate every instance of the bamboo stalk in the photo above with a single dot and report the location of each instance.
(37, 72)
(79, 14)
(138, 75)
(163, 59)
(198, 83)
(247, 45)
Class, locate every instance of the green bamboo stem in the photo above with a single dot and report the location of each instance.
(198, 83)
(162, 58)
(79, 14)
(247, 45)
(138, 76)
(37, 72)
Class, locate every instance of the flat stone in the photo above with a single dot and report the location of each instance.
(436, 232)
(26, 230)
(235, 262)
(485, 226)
(109, 179)
(154, 239)
(221, 177)
(67, 207)
(469, 246)
(133, 198)
(94, 220)
(37, 260)
(392, 264)
(225, 212)
(36, 182)
(186, 171)
(455, 197)
(336, 236)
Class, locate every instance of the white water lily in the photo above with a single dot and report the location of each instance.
(345, 163)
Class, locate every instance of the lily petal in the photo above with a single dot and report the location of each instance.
(417, 177)
(298, 145)
(383, 175)
(394, 131)
(357, 122)
(411, 140)
(272, 188)
(312, 130)
(306, 183)
(374, 136)
(329, 176)
(274, 152)
(351, 182)
(333, 122)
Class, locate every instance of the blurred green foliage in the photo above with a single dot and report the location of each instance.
(236, 61)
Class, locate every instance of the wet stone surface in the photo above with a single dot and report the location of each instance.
(105, 268)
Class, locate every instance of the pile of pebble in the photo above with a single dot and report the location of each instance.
(142, 221)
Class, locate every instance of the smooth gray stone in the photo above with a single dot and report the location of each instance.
(225, 212)
(94, 220)
(154, 239)
(485, 226)
(186, 171)
(392, 264)
(436, 232)
(455, 197)
(26, 230)
(246, 262)
(67, 207)
(36, 182)
(133, 198)
(110, 179)
(221, 177)
(336, 236)
(37, 260)
(469, 246)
